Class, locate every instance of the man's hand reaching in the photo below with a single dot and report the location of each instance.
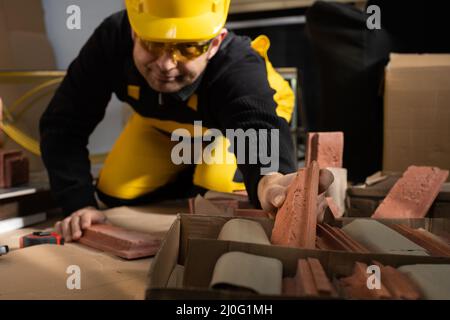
(71, 228)
(272, 191)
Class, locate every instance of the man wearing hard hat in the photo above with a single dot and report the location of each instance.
(174, 63)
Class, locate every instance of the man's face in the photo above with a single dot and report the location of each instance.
(166, 74)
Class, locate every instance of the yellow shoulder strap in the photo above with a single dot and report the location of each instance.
(284, 96)
(261, 45)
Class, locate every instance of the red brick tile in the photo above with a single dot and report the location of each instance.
(322, 244)
(398, 284)
(413, 194)
(355, 286)
(309, 281)
(327, 148)
(332, 238)
(191, 203)
(288, 287)
(17, 171)
(121, 242)
(14, 168)
(329, 241)
(295, 222)
(394, 284)
(424, 239)
(304, 280)
(323, 284)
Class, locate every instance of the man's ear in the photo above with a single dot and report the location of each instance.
(215, 45)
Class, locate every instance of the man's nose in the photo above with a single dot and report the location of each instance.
(166, 61)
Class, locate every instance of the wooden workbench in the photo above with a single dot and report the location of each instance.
(39, 272)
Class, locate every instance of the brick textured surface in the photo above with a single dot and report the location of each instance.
(327, 148)
(424, 239)
(121, 242)
(309, 281)
(323, 284)
(333, 238)
(355, 286)
(14, 168)
(289, 288)
(295, 222)
(413, 194)
(394, 284)
(304, 280)
(398, 284)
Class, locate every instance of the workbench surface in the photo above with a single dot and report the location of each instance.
(41, 272)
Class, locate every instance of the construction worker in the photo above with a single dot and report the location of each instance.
(174, 63)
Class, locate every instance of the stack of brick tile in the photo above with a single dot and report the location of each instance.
(309, 281)
(425, 239)
(295, 222)
(327, 148)
(393, 284)
(312, 281)
(332, 238)
(14, 168)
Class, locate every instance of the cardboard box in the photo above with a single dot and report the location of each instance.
(417, 111)
(191, 242)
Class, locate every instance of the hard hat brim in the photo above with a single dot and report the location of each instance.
(186, 29)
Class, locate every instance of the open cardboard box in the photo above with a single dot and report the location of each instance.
(191, 242)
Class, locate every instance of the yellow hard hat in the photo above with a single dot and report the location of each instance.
(177, 20)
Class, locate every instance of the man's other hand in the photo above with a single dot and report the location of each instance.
(272, 191)
(71, 228)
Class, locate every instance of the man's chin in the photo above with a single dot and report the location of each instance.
(165, 87)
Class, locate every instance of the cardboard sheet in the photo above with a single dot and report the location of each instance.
(247, 271)
(242, 230)
(433, 280)
(379, 238)
(39, 272)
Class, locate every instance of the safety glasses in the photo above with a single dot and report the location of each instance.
(182, 51)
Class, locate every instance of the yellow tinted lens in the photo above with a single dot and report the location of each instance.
(193, 50)
(189, 50)
(181, 51)
(154, 47)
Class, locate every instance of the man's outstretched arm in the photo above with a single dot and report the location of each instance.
(77, 107)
